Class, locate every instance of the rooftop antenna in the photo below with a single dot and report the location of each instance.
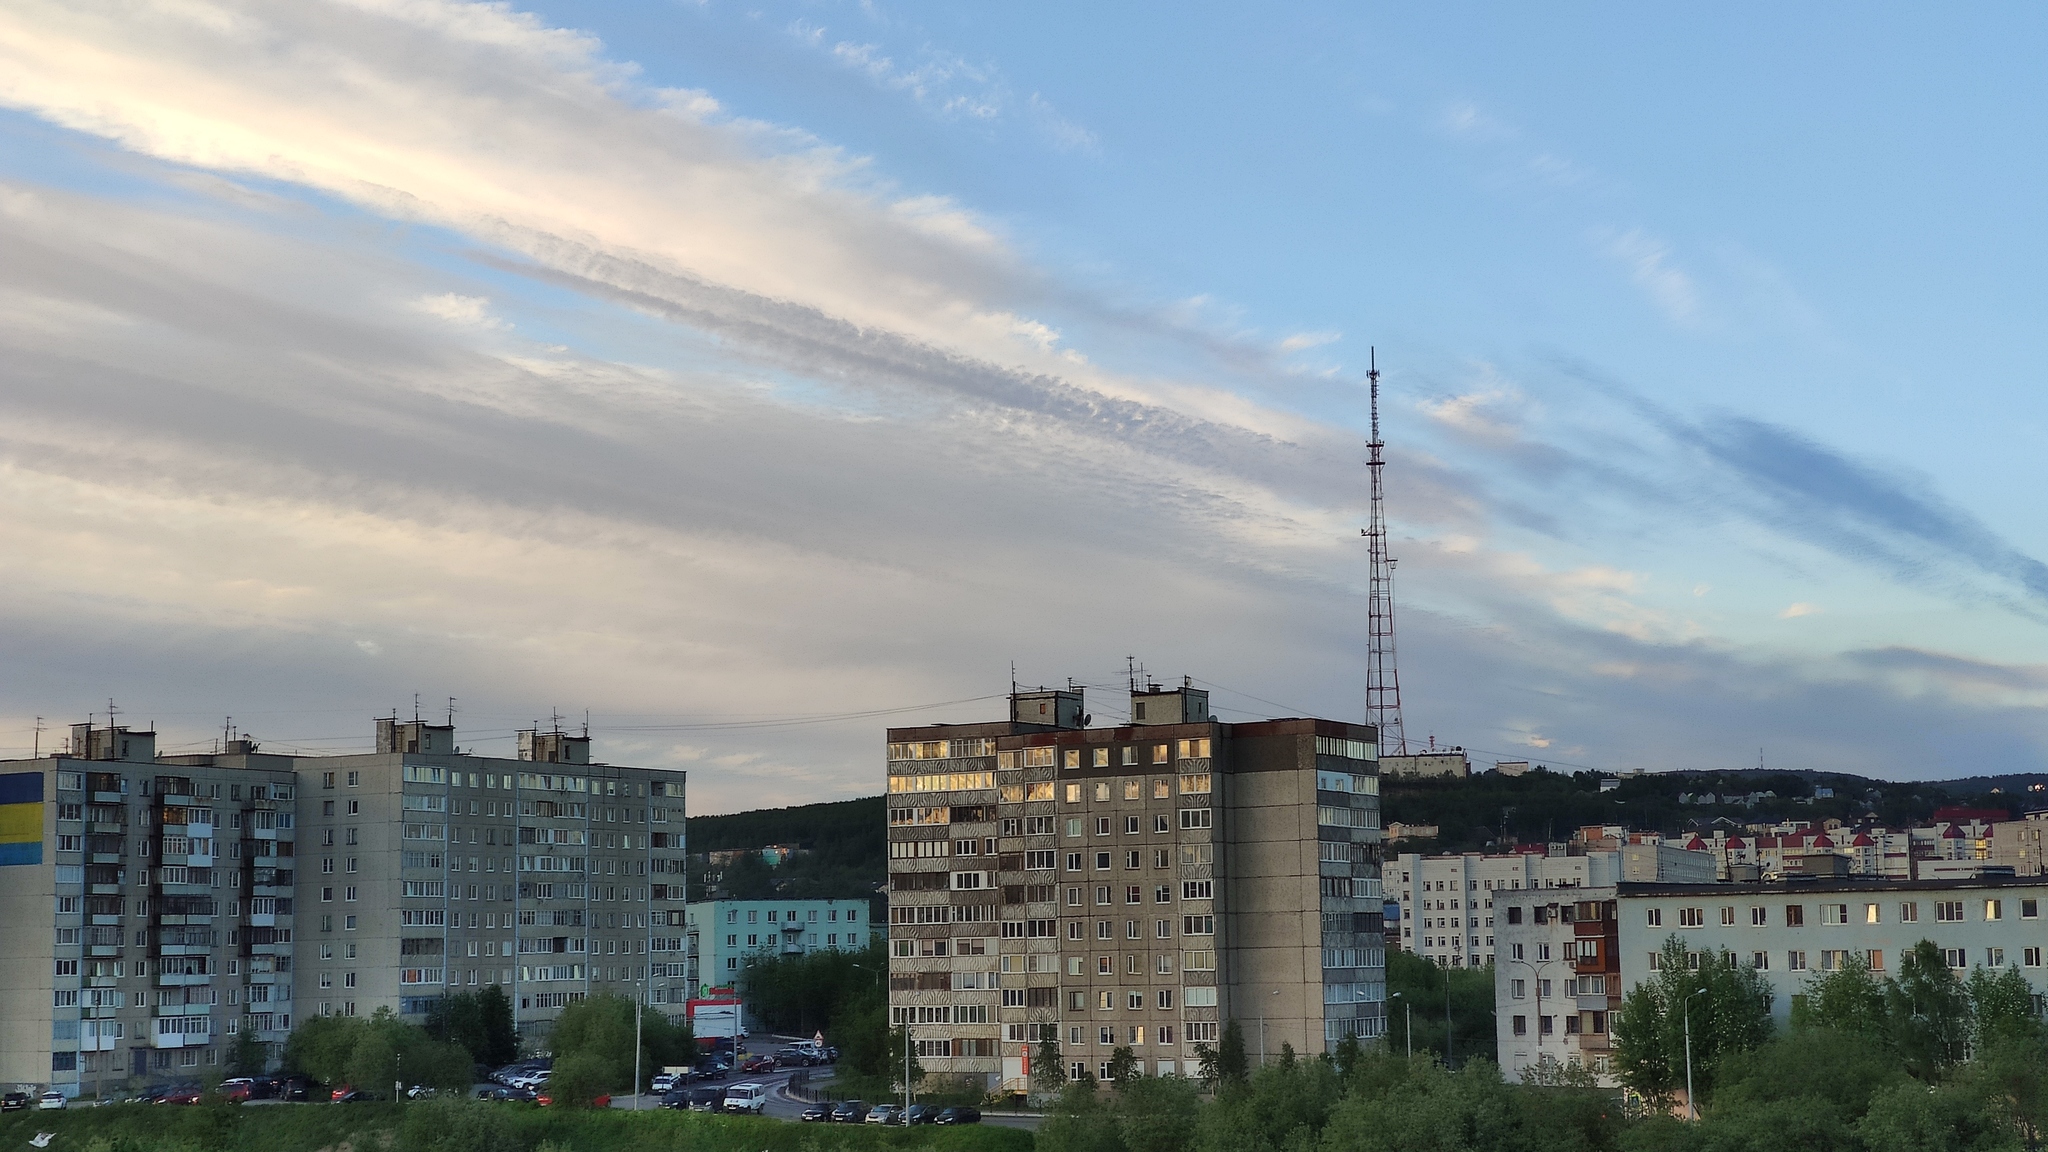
(586, 723)
(38, 753)
(1382, 671)
(1013, 677)
(451, 711)
(415, 707)
(1131, 671)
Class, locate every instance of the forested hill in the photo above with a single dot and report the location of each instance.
(846, 849)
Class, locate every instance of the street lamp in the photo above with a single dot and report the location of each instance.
(639, 1009)
(1262, 1029)
(1409, 1031)
(1685, 1010)
(1536, 973)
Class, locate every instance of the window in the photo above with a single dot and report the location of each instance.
(1870, 913)
(1954, 958)
(1161, 790)
(2030, 909)
(1102, 861)
(1654, 917)
(1521, 1025)
(1073, 861)
(1994, 910)
(1909, 913)
(1875, 958)
(1728, 916)
(1073, 793)
(1518, 989)
(1994, 958)
(1194, 783)
(1194, 818)
(1102, 826)
(1795, 961)
(1159, 753)
(1132, 826)
(1948, 910)
(1102, 792)
(1198, 889)
(1761, 961)
(1759, 917)
(1072, 758)
(1692, 917)
(2031, 957)
(1795, 915)
(1101, 758)
(1198, 925)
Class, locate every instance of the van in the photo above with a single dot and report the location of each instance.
(749, 1097)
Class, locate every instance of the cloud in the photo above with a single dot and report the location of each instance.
(471, 310)
(1648, 262)
(1795, 611)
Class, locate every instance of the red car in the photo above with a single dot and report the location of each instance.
(349, 1094)
(600, 1102)
(759, 1064)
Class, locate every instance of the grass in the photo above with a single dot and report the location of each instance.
(465, 1126)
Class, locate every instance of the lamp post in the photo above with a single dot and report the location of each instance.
(906, 1073)
(1536, 974)
(1450, 1035)
(1685, 1010)
(639, 1009)
(1409, 1031)
(1262, 1028)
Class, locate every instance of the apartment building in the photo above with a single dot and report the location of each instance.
(1557, 982)
(1447, 902)
(1791, 931)
(1136, 885)
(153, 919)
(176, 895)
(727, 933)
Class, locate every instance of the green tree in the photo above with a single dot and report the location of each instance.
(802, 994)
(1927, 1011)
(1047, 1071)
(320, 1046)
(1156, 1113)
(1233, 1065)
(1728, 1007)
(1423, 985)
(1849, 999)
(1123, 1065)
(480, 1021)
(595, 1038)
(246, 1055)
(2001, 1007)
(1080, 1120)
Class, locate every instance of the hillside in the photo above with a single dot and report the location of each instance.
(845, 847)
(1546, 806)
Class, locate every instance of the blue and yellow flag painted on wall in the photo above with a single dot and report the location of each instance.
(21, 818)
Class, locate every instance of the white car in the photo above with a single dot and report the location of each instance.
(748, 1097)
(50, 1100)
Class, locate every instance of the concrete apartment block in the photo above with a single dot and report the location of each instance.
(1448, 911)
(1791, 931)
(1132, 886)
(171, 898)
(725, 934)
(1557, 978)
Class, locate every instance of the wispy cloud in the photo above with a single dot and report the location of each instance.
(1648, 263)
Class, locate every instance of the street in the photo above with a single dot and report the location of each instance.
(783, 1107)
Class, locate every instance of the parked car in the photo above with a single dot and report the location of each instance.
(345, 1094)
(179, 1094)
(504, 1093)
(421, 1092)
(545, 1100)
(849, 1112)
(239, 1090)
(711, 1070)
(748, 1097)
(795, 1058)
(294, 1088)
(883, 1114)
(815, 1113)
(13, 1102)
(707, 1099)
(959, 1114)
(921, 1114)
(51, 1100)
(758, 1064)
(663, 1082)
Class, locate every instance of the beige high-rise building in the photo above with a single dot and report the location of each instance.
(1133, 886)
(156, 904)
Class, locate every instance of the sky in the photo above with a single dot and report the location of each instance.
(744, 378)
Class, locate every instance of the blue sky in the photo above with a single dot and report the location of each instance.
(698, 364)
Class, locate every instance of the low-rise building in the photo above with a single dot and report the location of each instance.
(1447, 902)
(727, 933)
(1790, 932)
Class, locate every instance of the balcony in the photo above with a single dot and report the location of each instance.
(183, 979)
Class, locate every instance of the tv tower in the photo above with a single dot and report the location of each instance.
(1382, 673)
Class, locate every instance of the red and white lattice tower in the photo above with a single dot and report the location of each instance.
(1382, 673)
